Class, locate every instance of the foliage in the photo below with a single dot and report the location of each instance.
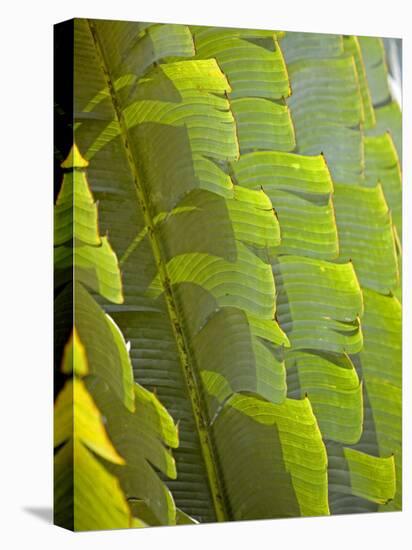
(109, 430)
(249, 190)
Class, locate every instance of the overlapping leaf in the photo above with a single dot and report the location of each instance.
(82, 485)
(364, 229)
(326, 107)
(382, 165)
(97, 350)
(366, 236)
(381, 363)
(389, 118)
(300, 189)
(203, 279)
(331, 383)
(283, 442)
(373, 54)
(221, 204)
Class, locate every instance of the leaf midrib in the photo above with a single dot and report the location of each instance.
(186, 361)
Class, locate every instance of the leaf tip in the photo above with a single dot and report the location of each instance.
(74, 159)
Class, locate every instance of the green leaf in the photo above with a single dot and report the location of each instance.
(370, 478)
(381, 363)
(366, 236)
(75, 160)
(297, 46)
(248, 361)
(331, 383)
(364, 223)
(382, 165)
(77, 232)
(352, 47)
(373, 53)
(326, 106)
(278, 453)
(284, 171)
(75, 213)
(74, 356)
(157, 42)
(83, 489)
(246, 284)
(77, 417)
(222, 233)
(106, 351)
(95, 267)
(142, 438)
(251, 59)
(319, 304)
(389, 119)
(322, 77)
(263, 124)
(254, 223)
(176, 274)
(301, 189)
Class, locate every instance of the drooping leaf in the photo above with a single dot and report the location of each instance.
(326, 108)
(106, 350)
(366, 236)
(297, 46)
(83, 487)
(277, 451)
(364, 225)
(252, 60)
(352, 46)
(331, 383)
(371, 479)
(381, 363)
(77, 417)
(373, 53)
(88, 496)
(191, 152)
(94, 266)
(389, 119)
(319, 304)
(382, 165)
(263, 125)
(300, 189)
(75, 202)
(141, 437)
(176, 147)
(74, 356)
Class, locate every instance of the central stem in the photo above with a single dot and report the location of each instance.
(192, 383)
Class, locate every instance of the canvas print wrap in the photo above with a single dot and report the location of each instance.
(228, 225)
